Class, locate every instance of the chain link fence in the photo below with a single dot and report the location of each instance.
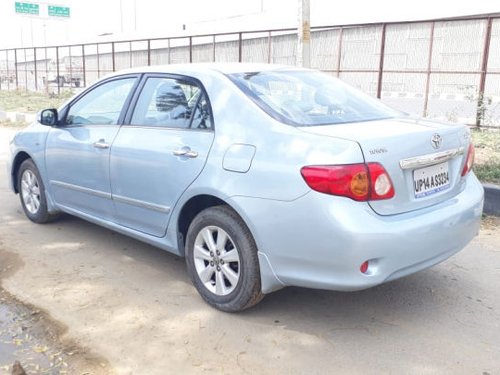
(447, 69)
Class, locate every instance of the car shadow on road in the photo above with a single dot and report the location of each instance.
(406, 295)
(423, 293)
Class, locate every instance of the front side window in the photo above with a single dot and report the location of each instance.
(171, 103)
(308, 98)
(102, 105)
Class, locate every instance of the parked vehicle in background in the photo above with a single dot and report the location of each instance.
(7, 78)
(262, 176)
(70, 73)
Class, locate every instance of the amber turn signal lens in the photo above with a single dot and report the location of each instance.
(360, 184)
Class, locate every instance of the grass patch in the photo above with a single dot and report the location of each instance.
(31, 102)
(489, 172)
(487, 163)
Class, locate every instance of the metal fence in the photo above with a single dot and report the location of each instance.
(446, 68)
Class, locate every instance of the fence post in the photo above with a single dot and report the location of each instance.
(35, 70)
(149, 52)
(482, 81)
(113, 56)
(98, 62)
(190, 49)
(130, 54)
(240, 51)
(269, 47)
(213, 48)
(429, 67)
(168, 44)
(46, 82)
(58, 80)
(381, 63)
(25, 71)
(70, 68)
(15, 67)
(84, 70)
(339, 47)
(8, 73)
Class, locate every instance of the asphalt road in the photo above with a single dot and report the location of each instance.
(134, 306)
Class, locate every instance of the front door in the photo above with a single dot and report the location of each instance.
(77, 157)
(159, 152)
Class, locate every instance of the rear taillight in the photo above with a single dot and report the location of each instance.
(469, 162)
(361, 182)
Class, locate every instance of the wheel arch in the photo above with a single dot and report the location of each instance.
(192, 207)
(16, 164)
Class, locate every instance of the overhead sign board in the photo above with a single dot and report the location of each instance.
(27, 8)
(58, 11)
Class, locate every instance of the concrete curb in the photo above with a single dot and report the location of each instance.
(491, 199)
(17, 117)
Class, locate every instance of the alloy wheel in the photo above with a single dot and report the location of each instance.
(216, 260)
(30, 190)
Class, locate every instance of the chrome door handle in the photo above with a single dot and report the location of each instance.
(101, 143)
(185, 151)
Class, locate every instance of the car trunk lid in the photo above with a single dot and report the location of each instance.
(424, 159)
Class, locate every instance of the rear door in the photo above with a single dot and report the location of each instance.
(160, 150)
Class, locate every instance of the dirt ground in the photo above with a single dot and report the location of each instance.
(132, 308)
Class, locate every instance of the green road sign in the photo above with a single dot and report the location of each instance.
(57, 11)
(27, 8)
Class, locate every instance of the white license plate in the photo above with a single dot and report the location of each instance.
(431, 180)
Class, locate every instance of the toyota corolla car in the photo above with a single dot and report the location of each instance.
(261, 176)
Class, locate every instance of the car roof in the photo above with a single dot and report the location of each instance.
(193, 68)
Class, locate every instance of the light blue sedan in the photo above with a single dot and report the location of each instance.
(262, 176)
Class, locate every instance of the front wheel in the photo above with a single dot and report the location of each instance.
(222, 261)
(32, 193)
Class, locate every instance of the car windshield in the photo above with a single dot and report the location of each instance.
(308, 98)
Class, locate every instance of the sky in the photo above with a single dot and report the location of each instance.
(106, 20)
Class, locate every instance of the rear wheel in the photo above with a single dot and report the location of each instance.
(221, 258)
(32, 193)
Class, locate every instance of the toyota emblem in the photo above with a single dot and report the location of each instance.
(436, 141)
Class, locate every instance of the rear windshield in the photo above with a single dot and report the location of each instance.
(308, 98)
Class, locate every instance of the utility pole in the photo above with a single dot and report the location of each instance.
(121, 16)
(304, 33)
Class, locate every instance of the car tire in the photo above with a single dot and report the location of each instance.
(32, 193)
(221, 258)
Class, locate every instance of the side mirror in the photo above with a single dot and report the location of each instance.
(48, 117)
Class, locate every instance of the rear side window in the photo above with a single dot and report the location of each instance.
(308, 98)
(172, 103)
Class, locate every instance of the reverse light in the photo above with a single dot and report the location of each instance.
(380, 181)
(360, 182)
(469, 162)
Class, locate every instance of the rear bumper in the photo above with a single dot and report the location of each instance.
(320, 241)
